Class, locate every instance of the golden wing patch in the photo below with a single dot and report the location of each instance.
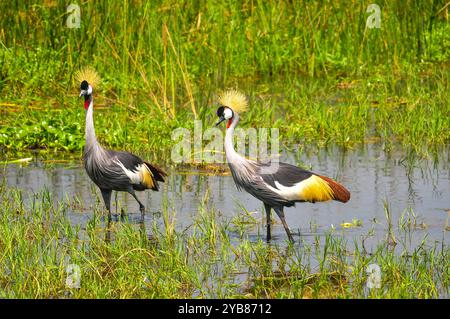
(315, 189)
(146, 177)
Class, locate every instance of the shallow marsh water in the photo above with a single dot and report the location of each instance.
(417, 191)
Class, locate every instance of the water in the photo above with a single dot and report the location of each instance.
(372, 175)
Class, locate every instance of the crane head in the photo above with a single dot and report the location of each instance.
(232, 103)
(225, 113)
(86, 91)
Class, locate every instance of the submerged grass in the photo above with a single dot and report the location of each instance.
(42, 254)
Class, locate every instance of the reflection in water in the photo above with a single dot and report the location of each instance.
(373, 176)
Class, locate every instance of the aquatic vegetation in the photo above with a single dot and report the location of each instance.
(44, 255)
(352, 224)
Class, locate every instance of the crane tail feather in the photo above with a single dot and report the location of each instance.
(340, 193)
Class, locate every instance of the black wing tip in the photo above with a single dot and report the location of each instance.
(157, 172)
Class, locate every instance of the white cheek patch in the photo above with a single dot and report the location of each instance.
(227, 113)
(89, 90)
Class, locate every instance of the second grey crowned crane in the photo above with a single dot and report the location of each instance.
(277, 186)
(113, 170)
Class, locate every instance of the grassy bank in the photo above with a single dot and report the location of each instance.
(310, 113)
(213, 258)
(312, 69)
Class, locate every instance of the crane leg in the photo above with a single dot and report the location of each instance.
(280, 213)
(108, 232)
(268, 222)
(141, 206)
(106, 194)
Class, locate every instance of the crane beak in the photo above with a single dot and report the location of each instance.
(221, 119)
(83, 92)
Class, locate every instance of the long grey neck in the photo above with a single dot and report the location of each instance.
(91, 139)
(232, 155)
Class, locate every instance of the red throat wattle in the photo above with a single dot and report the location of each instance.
(86, 104)
(229, 123)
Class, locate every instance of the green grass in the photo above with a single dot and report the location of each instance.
(312, 69)
(206, 260)
(307, 114)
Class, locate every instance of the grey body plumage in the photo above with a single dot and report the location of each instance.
(287, 174)
(113, 170)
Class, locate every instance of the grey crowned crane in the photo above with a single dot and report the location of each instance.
(112, 170)
(276, 188)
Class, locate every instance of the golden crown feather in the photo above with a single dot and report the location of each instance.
(88, 74)
(235, 100)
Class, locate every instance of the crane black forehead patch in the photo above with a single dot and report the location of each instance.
(84, 85)
(220, 111)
